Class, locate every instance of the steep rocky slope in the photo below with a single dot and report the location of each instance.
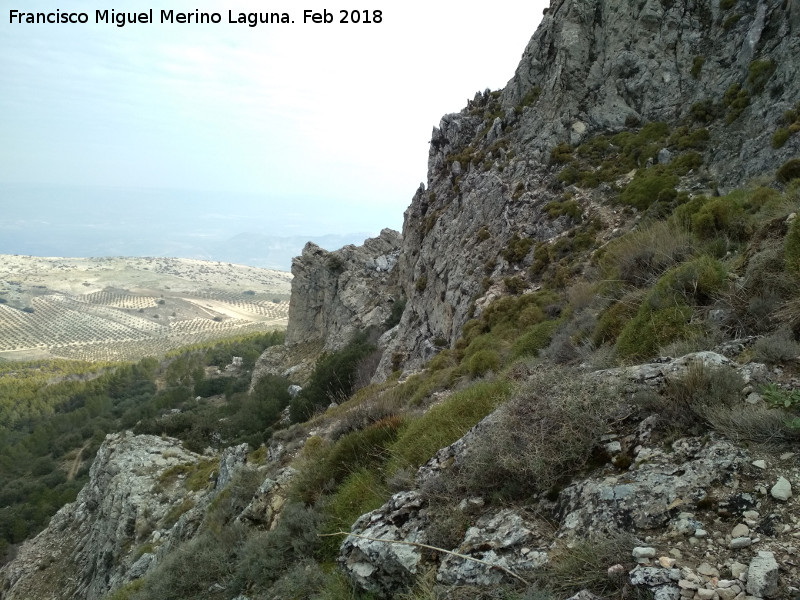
(135, 505)
(580, 217)
(592, 67)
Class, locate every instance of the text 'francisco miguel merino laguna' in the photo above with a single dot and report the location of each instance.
(120, 19)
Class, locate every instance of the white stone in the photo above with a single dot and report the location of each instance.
(753, 398)
(643, 552)
(782, 490)
(762, 575)
(740, 542)
(740, 530)
(726, 594)
(761, 464)
(708, 570)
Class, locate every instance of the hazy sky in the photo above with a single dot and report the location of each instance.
(326, 122)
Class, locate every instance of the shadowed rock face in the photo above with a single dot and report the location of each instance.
(337, 294)
(592, 67)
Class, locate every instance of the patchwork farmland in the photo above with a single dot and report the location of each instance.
(127, 308)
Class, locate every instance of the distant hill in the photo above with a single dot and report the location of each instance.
(127, 308)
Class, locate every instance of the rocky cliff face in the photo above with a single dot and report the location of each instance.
(337, 294)
(592, 67)
(135, 507)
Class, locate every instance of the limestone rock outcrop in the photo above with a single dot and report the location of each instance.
(593, 67)
(135, 506)
(337, 294)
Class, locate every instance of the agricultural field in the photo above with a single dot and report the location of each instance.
(109, 309)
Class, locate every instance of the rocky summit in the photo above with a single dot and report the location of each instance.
(574, 375)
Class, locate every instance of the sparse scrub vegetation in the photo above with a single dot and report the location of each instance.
(543, 435)
(51, 410)
(789, 170)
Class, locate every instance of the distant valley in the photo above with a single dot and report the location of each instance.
(127, 308)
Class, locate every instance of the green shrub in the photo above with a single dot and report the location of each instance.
(780, 137)
(444, 423)
(534, 340)
(360, 493)
(663, 317)
(528, 99)
(483, 362)
(570, 208)
(517, 249)
(190, 570)
(704, 111)
(759, 73)
(697, 66)
(267, 554)
(651, 329)
(127, 591)
(695, 282)
(731, 21)
(646, 186)
(644, 254)
(332, 380)
(789, 170)
(396, 313)
(684, 138)
(683, 163)
(612, 321)
(735, 100)
(515, 285)
(326, 467)
(561, 153)
(569, 175)
(304, 579)
(719, 215)
(541, 258)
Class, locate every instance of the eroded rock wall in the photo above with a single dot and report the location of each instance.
(592, 67)
(129, 512)
(337, 294)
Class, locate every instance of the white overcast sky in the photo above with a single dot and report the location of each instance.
(327, 118)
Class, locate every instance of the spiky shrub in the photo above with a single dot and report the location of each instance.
(543, 435)
(444, 423)
(664, 315)
(642, 256)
